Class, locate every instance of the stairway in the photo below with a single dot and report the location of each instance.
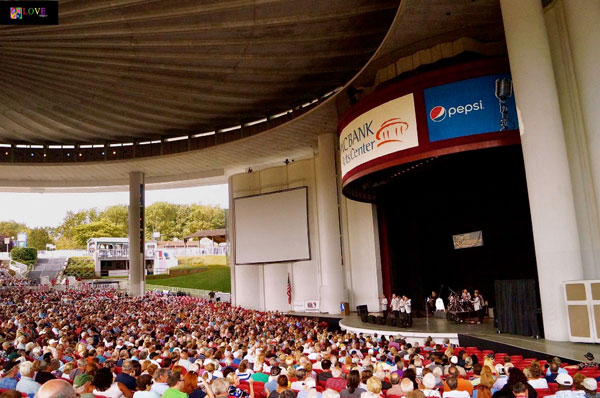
(49, 267)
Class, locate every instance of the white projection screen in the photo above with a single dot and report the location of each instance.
(272, 227)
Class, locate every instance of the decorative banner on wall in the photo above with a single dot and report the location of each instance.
(470, 239)
(474, 106)
(388, 128)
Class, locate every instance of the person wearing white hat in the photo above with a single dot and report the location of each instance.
(590, 386)
(565, 383)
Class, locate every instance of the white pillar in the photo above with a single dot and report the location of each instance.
(332, 275)
(546, 165)
(137, 269)
(583, 25)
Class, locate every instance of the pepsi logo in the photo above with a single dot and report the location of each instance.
(438, 113)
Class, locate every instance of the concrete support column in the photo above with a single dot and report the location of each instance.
(582, 20)
(546, 165)
(332, 275)
(137, 269)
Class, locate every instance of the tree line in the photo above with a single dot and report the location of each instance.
(171, 220)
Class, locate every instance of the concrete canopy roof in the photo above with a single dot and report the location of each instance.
(417, 25)
(127, 70)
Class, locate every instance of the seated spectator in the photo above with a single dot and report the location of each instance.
(56, 388)
(520, 390)
(190, 385)
(590, 386)
(271, 385)
(486, 382)
(373, 388)
(352, 389)
(309, 390)
(10, 394)
(326, 373)
(126, 379)
(161, 376)
(502, 378)
(415, 394)
(45, 372)
(243, 371)
(536, 380)
(9, 380)
(515, 376)
(336, 382)
(429, 389)
(218, 388)
(234, 390)
(552, 372)
(27, 384)
(395, 390)
(83, 385)
(589, 361)
(462, 384)
(282, 385)
(175, 390)
(104, 385)
(453, 392)
(477, 374)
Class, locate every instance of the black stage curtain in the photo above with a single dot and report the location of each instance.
(516, 307)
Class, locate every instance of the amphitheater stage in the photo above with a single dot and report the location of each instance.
(482, 335)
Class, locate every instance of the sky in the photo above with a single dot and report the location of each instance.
(49, 209)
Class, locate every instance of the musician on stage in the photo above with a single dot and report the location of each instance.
(431, 302)
(402, 311)
(383, 304)
(395, 305)
(466, 296)
(407, 311)
(478, 306)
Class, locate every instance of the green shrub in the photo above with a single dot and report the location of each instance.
(80, 267)
(25, 255)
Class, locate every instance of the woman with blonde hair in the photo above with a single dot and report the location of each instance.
(373, 388)
(486, 381)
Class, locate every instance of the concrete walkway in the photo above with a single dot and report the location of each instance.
(49, 267)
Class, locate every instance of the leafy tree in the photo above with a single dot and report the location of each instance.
(38, 237)
(64, 243)
(164, 218)
(203, 218)
(97, 229)
(118, 215)
(12, 228)
(74, 219)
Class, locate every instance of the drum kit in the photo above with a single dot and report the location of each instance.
(458, 308)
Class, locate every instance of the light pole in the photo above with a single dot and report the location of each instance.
(7, 242)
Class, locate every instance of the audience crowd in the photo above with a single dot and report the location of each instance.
(105, 344)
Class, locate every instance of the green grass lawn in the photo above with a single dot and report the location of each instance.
(201, 260)
(213, 277)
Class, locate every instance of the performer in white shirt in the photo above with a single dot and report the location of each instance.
(478, 306)
(383, 304)
(408, 310)
(395, 305)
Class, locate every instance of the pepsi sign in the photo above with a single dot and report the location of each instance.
(468, 107)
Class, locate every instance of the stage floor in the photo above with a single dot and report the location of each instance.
(440, 328)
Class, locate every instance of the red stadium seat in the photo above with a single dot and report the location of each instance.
(543, 392)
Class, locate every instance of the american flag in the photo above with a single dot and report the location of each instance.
(289, 290)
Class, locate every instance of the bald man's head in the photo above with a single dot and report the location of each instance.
(56, 389)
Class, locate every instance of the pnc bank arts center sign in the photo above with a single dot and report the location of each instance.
(385, 129)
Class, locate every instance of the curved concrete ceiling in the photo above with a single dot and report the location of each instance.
(125, 70)
(418, 25)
